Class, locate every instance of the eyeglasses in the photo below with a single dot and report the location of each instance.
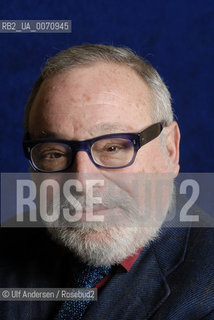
(111, 151)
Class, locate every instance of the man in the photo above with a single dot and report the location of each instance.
(103, 111)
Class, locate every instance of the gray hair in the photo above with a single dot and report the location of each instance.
(88, 54)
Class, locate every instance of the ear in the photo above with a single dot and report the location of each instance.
(172, 145)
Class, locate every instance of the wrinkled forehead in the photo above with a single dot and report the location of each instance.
(105, 91)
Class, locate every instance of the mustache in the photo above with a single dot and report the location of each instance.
(122, 208)
(108, 200)
(118, 207)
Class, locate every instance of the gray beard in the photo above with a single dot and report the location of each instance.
(109, 242)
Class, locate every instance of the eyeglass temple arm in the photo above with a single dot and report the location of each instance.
(150, 133)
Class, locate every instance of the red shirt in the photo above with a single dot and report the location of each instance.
(124, 266)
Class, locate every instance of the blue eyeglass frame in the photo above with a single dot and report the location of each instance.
(137, 139)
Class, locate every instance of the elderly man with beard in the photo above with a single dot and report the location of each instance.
(102, 111)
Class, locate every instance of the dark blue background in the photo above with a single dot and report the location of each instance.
(175, 36)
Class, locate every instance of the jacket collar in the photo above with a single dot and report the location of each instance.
(145, 287)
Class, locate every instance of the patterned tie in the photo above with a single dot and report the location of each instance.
(84, 277)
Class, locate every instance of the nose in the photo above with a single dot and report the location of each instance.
(83, 169)
(83, 164)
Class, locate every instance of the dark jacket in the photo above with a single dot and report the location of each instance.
(173, 278)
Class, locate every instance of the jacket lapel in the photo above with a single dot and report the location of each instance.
(139, 293)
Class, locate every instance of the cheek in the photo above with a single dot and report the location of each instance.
(161, 165)
(153, 158)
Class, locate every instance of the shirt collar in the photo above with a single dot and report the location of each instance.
(129, 261)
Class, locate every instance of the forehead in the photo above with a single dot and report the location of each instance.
(92, 98)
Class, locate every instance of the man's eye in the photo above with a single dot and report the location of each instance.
(113, 148)
(51, 155)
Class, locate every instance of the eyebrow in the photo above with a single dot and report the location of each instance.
(108, 127)
(97, 130)
(46, 135)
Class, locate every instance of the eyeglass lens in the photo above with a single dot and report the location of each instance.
(113, 152)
